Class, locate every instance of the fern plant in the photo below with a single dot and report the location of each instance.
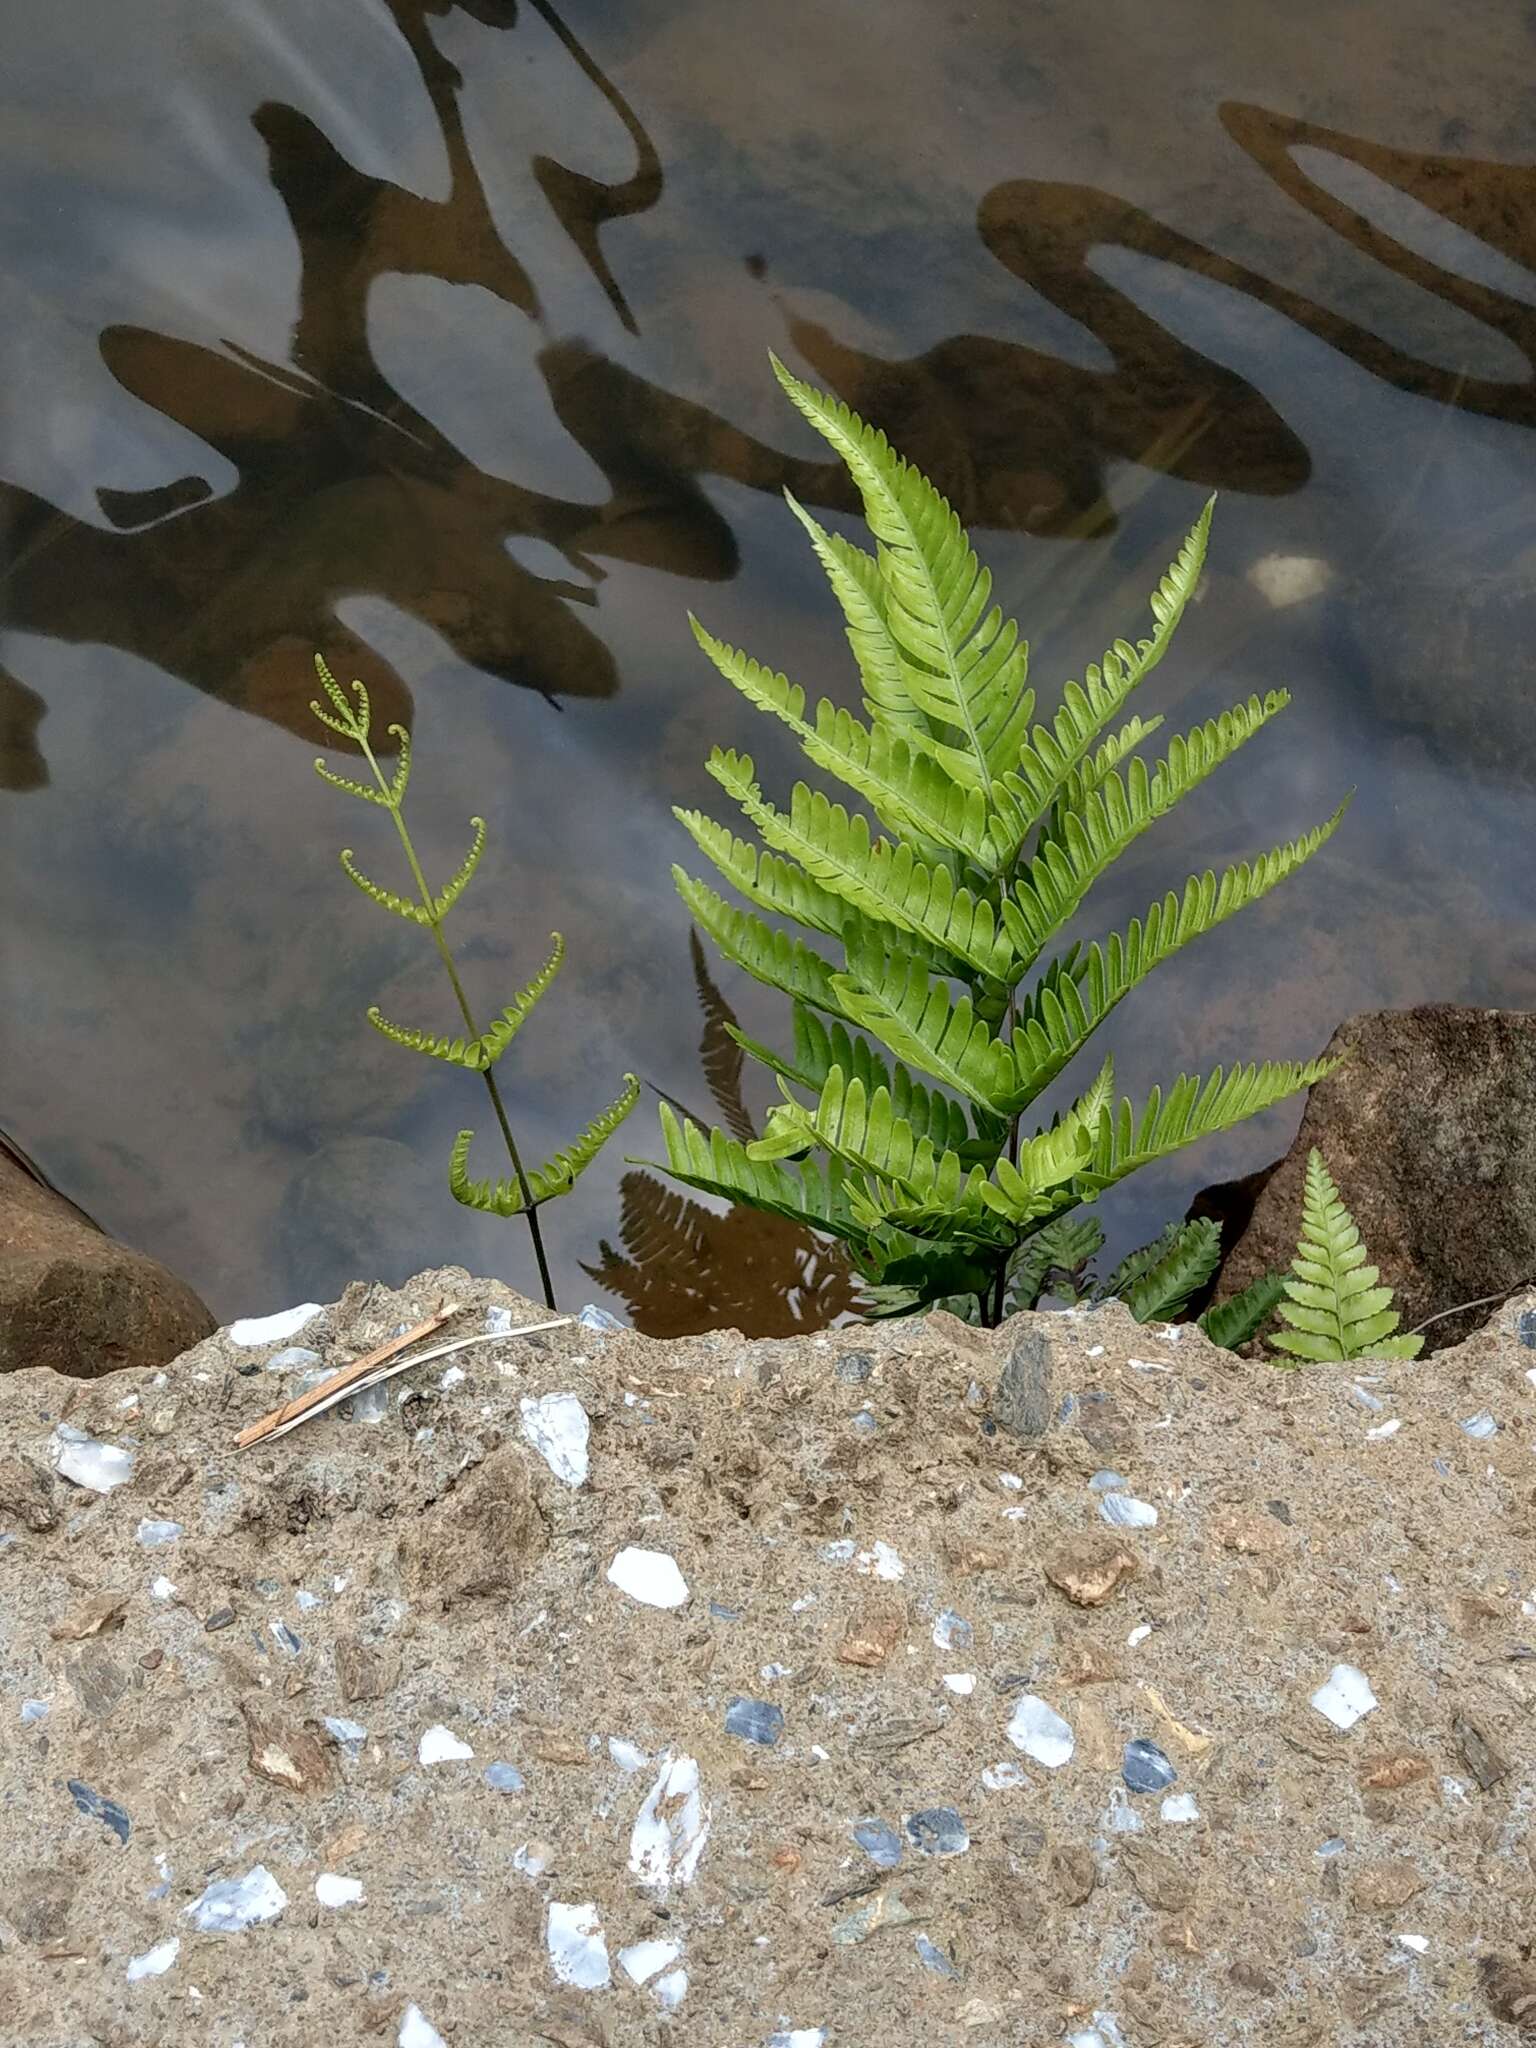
(1332, 1302)
(528, 1188)
(935, 997)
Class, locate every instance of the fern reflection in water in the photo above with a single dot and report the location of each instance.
(529, 1188)
(995, 829)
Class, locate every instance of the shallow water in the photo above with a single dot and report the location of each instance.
(435, 337)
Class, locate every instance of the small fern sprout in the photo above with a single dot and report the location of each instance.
(919, 928)
(1332, 1302)
(528, 1188)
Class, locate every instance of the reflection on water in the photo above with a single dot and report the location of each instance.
(433, 339)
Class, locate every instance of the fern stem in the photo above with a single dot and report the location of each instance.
(434, 925)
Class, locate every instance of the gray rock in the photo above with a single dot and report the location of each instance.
(1429, 1129)
(1022, 1404)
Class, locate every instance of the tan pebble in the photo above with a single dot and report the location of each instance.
(1098, 1747)
(552, 1746)
(344, 1843)
(786, 1859)
(152, 1660)
(1158, 1879)
(971, 1558)
(1249, 1533)
(1392, 1773)
(871, 1636)
(1384, 1887)
(1180, 1935)
(1073, 1875)
(284, 1754)
(365, 1671)
(101, 1611)
(1085, 1663)
(1089, 1569)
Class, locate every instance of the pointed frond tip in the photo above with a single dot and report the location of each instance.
(350, 721)
(962, 665)
(1333, 1304)
(546, 1183)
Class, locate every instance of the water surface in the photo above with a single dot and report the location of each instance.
(434, 336)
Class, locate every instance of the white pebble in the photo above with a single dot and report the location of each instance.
(96, 1466)
(671, 1827)
(961, 1682)
(455, 1376)
(1384, 1429)
(32, 1711)
(1139, 1634)
(1010, 1482)
(882, 1561)
(670, 1991)
(417, 2031)
(441, 1746)
(235, 1903)
(625, 1754)
(1346, 1697)
(162, 1588)
(1481, 1424)
(578, 1954)
(1415, 1943)
(273, 1329)
(1037, 1729)
(1003, 1777)
(335, 1891)
(557, 1427)
(1179, 1807)
(1124, 1511)
(649, 1576)
(646, 1959)
(154, 1962)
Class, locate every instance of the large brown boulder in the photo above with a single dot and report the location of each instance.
(73, 1299)
(1429, 1129)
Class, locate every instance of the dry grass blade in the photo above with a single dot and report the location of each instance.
(340, 1382)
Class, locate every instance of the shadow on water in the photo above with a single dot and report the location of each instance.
(345, 490)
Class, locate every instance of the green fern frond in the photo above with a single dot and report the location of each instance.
(962, 664)
(905, 786)
(895, 1000)
(1059, 1015)
(1054, 1260)
(546, 1183)
(346, 784)
(447, 896)
(456, 1052)
(1333, 1304)
(718, 1165)
(1117, 811)
(413, 913)
(1192, 1109)
(885, 882)
(1028, 789)
(820, 1047)
(767, 955)
(1235, 1322)
(482, 1052)
(1158, 1280)
(861, 1127)
(350, 721)
(763, 878)
(1037, 1184)
(857, 586)
(495, 1040)
(400, 781)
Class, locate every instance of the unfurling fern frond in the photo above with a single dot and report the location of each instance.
(969, 834)
(538, 1184)
(1236, 1322)
(1332, 1302)
(477, 1050)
